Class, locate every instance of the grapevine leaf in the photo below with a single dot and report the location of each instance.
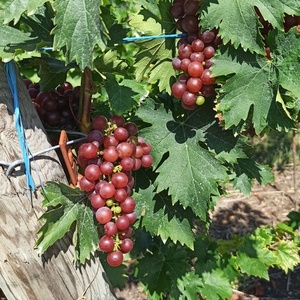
(241, 97)
(156, 52)
(286, 59)
(13, 9)
(287, 255)
(52, 73)
(159, 270)
(122, 95)
(79, 28)
(215, 286)
(165, 68)
(162, 218)
(238, 22)
(151, 6)
(67, 207)
(189, 285)
(243, 184)
(180, 138)
(41, 23)
(110, 63)
(254, 259)
(246, 170)
(86, 234)
(12, 38)
(234, 150)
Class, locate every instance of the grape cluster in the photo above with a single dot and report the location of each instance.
(108, 157)
(56, 108)
(195, 52)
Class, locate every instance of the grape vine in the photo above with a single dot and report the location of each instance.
(196, 101)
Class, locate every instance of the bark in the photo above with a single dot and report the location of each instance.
(23, 274)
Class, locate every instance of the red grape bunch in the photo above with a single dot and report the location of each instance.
(109, 156)
(56, 108)
(195, 52)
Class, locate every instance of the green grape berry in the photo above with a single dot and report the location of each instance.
(109, 202)
(117, 209)
(200, 100)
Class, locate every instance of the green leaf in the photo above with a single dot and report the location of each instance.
(67, 206)
(161, 218)
(123, 96)
(79, 28)
(154, 52)
(164, 82)
(287, 255)
(193, 172)
(254, 258)
(110, 62)
(241, 100)
(215, 286)
(52, 73)
(190, 285)
(13, 9)
(159, 270)
(243, 183)
(12, 38)
(286, 59)
(155, 56)
(41, 23)
(247, 170)
(238, 22)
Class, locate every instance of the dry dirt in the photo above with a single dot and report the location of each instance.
(237, 214)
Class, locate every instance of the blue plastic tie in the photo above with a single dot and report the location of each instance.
(137, 38)
(10, 73)
(149, 37)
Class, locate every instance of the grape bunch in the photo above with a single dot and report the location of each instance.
(195, 53)
(108, 157)
(56, 108)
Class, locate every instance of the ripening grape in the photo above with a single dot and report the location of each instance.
(115, 258)
(54, 107)
(195, 53)
(178, 88)
(194, 84)
(206, 77)
(128, 205)
(106, 243)
(126, 246)
(112, 151)
(103, 215)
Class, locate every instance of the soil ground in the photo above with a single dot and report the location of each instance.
(237, 214)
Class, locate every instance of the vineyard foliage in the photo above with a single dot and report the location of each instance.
(197, 153)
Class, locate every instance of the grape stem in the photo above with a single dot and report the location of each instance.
(88, 88)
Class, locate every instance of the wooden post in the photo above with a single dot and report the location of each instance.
(23, 274)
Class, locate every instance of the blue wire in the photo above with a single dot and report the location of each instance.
(137, 38)
(10, 73)
(148, 37)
